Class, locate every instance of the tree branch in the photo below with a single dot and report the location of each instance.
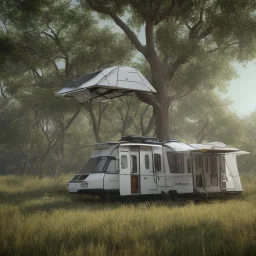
(151, 124)
(142, 117)
(127, 30)
(68, 124)
(44, 132)
(206, 32)
(175, 8)
(131, 35)
(148, 99)
(187, 25)
(167, 13)
(182, 59)
(194, 30)
(55, 37)
(47, 34)
(222, 48)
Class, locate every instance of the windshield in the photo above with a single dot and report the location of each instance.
(94, 165)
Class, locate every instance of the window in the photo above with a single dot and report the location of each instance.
(94, 165)
(111, 166)
(157, 161)
(214, 171)
(175, 162)
(147, 161)
(206, 164)
(124, 162)
(134, 164)
(213, 164)
(222, 164)
(198, 162)
(189, 165)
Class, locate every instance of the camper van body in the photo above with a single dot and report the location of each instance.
(149, 168)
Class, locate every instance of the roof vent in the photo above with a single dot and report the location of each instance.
(167, 141)
(139, 139)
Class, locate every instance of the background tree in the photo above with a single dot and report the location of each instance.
(58, 44)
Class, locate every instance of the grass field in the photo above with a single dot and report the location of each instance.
(40, 218)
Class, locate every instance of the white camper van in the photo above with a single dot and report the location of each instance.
(139, 166)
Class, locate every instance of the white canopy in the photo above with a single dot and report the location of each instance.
(106, 84)
(214, 147)
(211, 147)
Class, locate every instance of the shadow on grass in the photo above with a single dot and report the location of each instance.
(51, 198)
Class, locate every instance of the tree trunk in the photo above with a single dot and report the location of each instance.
(162, 116)
(161, 112)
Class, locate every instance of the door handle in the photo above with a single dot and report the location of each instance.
(158, 178)
(145, 178)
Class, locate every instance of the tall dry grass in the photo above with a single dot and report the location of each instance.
(40, 218)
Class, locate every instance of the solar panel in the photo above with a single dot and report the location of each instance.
(82, 79)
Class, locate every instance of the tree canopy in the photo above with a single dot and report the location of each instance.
(189, 49)
(185, 41)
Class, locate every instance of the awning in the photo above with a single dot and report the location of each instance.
(213, 147)
(239, 153)
(107, 84)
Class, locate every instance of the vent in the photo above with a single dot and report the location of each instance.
(167, 141)
(139, 139)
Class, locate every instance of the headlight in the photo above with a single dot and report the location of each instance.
(84, 185)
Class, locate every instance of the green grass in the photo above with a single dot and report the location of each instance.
(41, 218)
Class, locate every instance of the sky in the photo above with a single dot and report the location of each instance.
(242, 91)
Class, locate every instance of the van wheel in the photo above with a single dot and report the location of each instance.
(106, 198)
(173, 194)
(165, 196)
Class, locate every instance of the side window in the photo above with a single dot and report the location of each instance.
(214, 171)
(206, 164)
(214, 164)
(111, 167)
(189, 165)
(147, 161)
(198, 162)
(175, 162)
(134, 164)
(124, 162)
(222, 164)
(157, 161)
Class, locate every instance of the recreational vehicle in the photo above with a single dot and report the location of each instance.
(139, 166)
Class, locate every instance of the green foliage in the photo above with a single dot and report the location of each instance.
(247, 142)
(38, 217)
(56, 44)
(204, 116)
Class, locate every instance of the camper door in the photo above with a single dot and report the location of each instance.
(129, 170)
(148, 176)
(125, 171)
(207, 168)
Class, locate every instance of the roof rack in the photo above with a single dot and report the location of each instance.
(139, 139)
